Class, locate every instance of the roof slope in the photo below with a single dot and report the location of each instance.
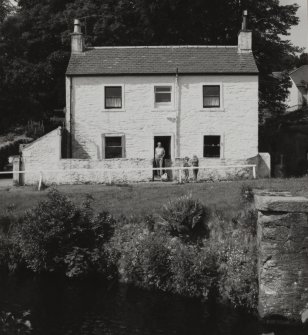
(299, 75)
(161, 60)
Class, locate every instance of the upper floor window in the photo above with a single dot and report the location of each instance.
(113, 97)
(211, 96)
(211, 146)
(163, 95)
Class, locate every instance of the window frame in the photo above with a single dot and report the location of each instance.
(164, 105)
(111, 85)
(221, 101)
(211, 96)
(123, 145)
(220, 146)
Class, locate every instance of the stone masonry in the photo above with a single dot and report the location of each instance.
(283, 256)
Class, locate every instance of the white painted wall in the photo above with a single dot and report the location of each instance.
(236, 121)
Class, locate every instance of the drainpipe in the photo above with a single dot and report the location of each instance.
(178, 107)
(71, 128)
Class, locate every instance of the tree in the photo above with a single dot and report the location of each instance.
(35, 41)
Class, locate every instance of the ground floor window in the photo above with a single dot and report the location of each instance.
(114, 147)
(211, 146)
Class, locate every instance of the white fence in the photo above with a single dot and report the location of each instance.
(178, 169)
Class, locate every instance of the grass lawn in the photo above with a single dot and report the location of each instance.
(140, 199)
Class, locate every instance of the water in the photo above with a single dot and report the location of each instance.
(97, 308)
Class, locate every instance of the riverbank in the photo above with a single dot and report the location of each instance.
(147, 198)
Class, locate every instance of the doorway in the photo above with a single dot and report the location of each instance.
(166, 144)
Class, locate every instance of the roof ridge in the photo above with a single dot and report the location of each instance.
(166, 47)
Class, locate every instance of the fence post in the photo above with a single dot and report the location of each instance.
(109, 176)
(180, 176)
(254, 172)
(40, 181)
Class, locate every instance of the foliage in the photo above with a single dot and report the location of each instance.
(59, 236)
(35, 42)
(10, 149)
(185, 217)
(35, 129)
(247, 194)
(157, 260)
(238, 274)
(11, 324)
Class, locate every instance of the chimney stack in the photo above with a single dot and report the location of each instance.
(245, 36)
(77, 38)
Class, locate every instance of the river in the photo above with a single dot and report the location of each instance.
(60, 307)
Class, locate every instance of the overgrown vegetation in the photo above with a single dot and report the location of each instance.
(188, 250)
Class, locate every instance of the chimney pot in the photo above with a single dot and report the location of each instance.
(77, 27)
(245, 36)
(77, 38)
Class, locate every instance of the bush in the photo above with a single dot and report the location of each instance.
(186, 218)
(58, 236)
(247, 195)
(10, 149)
(151, 258)
(11, 324)
(237, 281)
(193, 270)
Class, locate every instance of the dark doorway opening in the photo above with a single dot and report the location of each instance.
(166, 144)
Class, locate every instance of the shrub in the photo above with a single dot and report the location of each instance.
(247, 195)
(186, 218)
(58, 236)
(237, 281)
(12, 324)
(193, 270)
(151, 258)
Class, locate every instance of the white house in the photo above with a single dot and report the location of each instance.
(121, 101)
(298, 92)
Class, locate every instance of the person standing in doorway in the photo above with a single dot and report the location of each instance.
(195, 164)
(159, 158)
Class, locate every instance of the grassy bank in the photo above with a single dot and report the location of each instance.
(141, 199)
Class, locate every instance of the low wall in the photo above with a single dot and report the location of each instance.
(78, 171)
(283, 256)
(221, 170)
(42, 158)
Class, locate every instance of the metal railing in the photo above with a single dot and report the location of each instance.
(109, 172)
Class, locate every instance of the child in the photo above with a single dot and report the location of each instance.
(186, 171)
(195, 163)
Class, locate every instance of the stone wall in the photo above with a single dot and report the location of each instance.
(283, 256)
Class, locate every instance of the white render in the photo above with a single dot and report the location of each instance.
(236, 121)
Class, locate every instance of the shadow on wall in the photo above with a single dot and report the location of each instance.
(79, 152)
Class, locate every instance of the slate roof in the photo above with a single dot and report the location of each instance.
(162, 60)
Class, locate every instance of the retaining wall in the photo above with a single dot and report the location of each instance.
(283, 256)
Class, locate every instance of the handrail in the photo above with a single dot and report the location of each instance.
(136, 169)
(174, 168)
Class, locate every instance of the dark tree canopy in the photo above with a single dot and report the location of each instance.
(35, 42)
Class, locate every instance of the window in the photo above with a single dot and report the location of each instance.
(211, 96)
(114, 147)
(163, 95)
(211, 146)
(113, 97)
